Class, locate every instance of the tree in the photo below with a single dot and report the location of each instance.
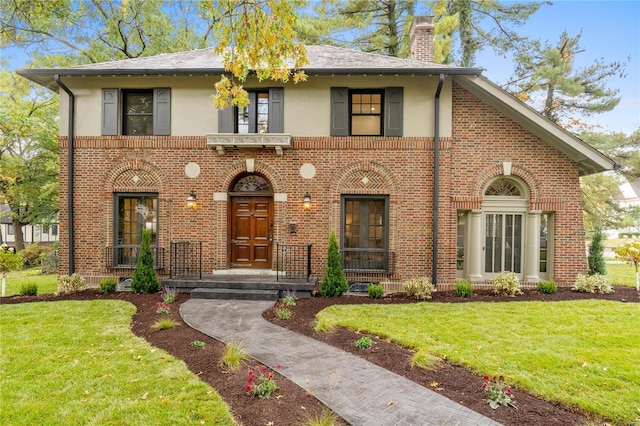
(255, 36)
(145, 279)
(596, 250)
(380, 26)
(334, 282)
(28, 153)
(9, 261)
(599, 206)
(547, 72)
(478, 24)
(623, 148)
(630, 253)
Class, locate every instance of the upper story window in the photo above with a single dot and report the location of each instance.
(136, 112)
(366, 112)
(264, 114)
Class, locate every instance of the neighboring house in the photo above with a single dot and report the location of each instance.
(629, 196)
(385, 151)
(42, 234)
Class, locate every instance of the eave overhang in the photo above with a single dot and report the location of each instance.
(588, 159)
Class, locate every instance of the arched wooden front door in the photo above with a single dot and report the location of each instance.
(251, 223)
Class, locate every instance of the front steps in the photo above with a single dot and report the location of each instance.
(242, 287)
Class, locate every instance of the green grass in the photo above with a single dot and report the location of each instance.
(582, 353)
(46, 283)
(621, 274)
(77, 362)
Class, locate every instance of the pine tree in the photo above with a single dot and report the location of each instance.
(596, 250)
(334, 282)
(144, 277)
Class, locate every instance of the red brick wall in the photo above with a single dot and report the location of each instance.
(401, 167)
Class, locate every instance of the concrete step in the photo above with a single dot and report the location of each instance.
(233, 294)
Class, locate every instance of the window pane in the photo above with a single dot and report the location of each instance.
(139, 125)
(365, 234)
(139, 103)
(460, 241)
(243, 120)
(365, 125)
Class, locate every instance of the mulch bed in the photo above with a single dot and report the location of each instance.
(291, 405)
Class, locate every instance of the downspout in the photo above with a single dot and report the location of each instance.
(436, 182)
(69, 172)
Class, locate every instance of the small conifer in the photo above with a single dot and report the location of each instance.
(334, 282)
(596, 251)
(145, 279)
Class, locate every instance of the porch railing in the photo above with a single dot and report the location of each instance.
(186, 259)
(368, 261)
(293, 261)
(126, 256)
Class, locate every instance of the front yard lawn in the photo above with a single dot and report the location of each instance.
(582, 353)
(77, 362)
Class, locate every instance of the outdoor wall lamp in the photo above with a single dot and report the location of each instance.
(306, 201)
(191, 201)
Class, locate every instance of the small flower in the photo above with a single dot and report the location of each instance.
(485, 377)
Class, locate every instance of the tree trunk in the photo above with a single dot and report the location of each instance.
(19, 237)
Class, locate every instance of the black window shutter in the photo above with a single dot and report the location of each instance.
(276, 110)
(253, 108)
(339, 111)
(162, 112)
(226, 119)
(393, 111)
(109, 125)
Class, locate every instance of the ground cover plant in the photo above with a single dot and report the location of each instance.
(74, 362)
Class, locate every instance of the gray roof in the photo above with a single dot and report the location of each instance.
(322, 60)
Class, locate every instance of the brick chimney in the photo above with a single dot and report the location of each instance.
(422, 36)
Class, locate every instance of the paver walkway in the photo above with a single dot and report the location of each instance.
(359, 391)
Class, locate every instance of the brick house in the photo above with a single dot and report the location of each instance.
(421, 170)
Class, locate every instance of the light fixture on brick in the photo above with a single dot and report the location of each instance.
(306, 201)
(192, 202)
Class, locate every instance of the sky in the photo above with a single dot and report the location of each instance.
(610, 31)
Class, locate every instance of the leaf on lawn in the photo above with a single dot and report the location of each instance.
(391, 402)
(144, 396)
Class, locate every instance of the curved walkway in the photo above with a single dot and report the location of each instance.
(360, 392)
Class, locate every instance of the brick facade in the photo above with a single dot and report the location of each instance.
(401, 168)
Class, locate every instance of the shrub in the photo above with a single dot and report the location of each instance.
(419, 288)
(463, 289)
(592, 284)
(234, 354)
(263, 385)
(198, 344)
(334, 282)
(164, 324)
(497, 391)
(375, 291)
(596, 251)
(547, 287)
(168, 294)
(283, 312)
(29, 289)
(70, 284)
(107, 285)
(288, 298)
(364, 342)
(144, 277)
(506, 283)
(31, 254)
(163, 309)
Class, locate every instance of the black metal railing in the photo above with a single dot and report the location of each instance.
(371, 261)
(186, 259)
(126, 255)
(293, 261)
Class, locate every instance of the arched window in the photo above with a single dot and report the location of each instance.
(252, 183)
(504, 187)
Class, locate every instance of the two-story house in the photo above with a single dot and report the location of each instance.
(421, 169)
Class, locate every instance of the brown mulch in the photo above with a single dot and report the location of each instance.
(291, 405)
